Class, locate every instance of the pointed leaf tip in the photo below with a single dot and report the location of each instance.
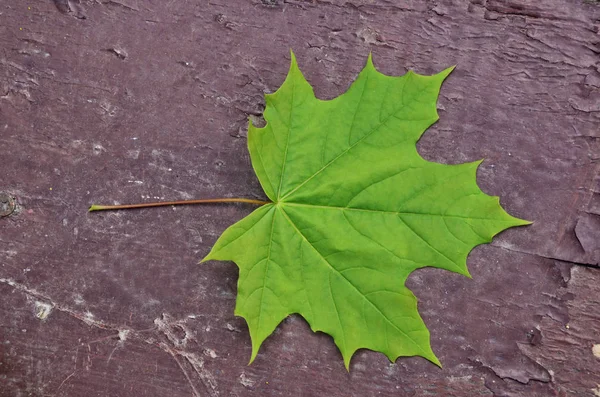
(435, 361)
(254, 352)
(467, 274)
(370, 60)
(522, 222)
(293, 61)
(446, 72)
(347, 362)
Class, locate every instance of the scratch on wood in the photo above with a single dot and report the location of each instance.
(87, 318)
(64, 381)
(190, 363)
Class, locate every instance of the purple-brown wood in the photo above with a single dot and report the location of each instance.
(118, 101)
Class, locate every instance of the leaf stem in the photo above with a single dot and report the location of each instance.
(96, 207)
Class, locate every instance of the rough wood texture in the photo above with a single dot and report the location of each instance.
(132, 100)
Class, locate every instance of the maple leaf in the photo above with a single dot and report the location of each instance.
(355, 209)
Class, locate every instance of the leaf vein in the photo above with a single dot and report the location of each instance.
(268, 259)
(427, 242)
(368, 134)
(426, 354)
(324, 207)
(289, 136)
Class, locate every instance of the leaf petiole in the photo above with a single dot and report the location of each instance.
(96, 207)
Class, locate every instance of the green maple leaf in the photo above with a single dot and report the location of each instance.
(355, 209)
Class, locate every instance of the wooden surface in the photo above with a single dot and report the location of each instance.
(105, 101)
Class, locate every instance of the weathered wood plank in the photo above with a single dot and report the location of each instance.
(131, 100)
